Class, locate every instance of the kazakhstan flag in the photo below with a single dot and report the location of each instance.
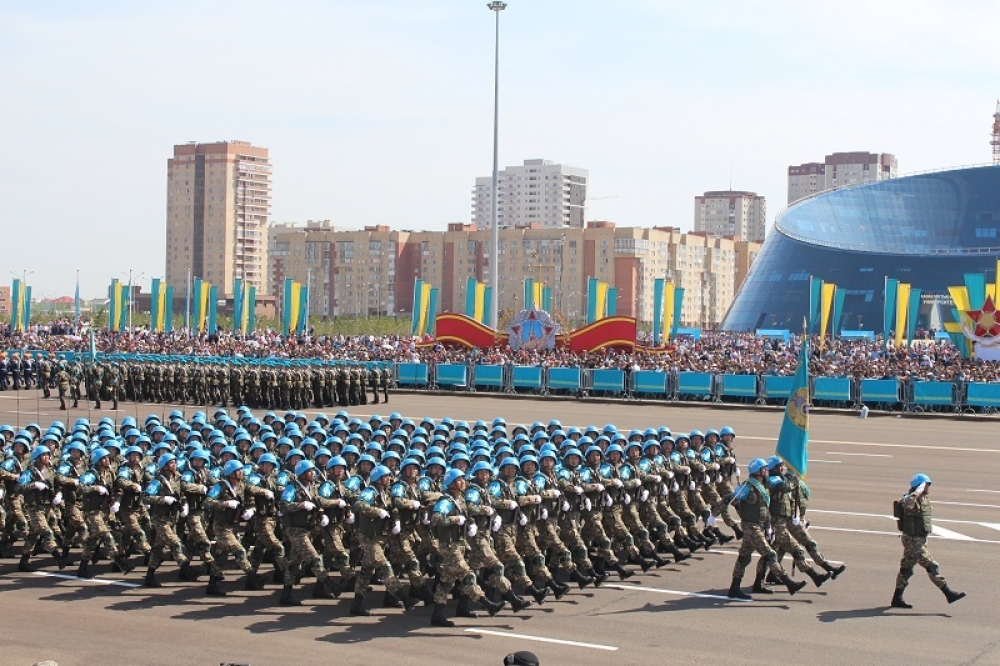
(793, 440)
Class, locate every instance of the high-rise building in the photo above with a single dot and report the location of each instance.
(729, 214)
(839, 170)
(538, 192)
(218, 205)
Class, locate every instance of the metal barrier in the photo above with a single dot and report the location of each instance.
(922, 396)
(832, 390)
(563, 379)
(982, 395)
(608, 381)
(651, 383)
(884, 392)
(526, 377)
(452, 375)
(741, 387)
(412, 374)
(488, 377)
(697, 384)
(777, 387)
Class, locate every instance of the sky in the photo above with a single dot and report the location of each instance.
(381, 112)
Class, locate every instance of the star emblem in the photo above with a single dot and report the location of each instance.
(986, 320)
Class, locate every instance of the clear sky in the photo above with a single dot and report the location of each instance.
(380, 111)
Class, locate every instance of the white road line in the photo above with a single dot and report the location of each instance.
(882, 515)
(866, 455)
(895, 534)
(678, 593)
(730, 551)
(832, 462)
(992, 526)
(983, 506)
(937, 530)
(543, 639)
(99, 581)
(982, 491)
(885, 444)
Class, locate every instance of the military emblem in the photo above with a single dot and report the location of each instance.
(798, 408)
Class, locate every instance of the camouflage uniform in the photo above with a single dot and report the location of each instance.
(264, 491)
(96, 506)
(225, 522)
(448, 520)
(374, 509)
(916, 525)
(194, 485)
(754, 512)
(504, 502)
(128, 485)
(301, 523)
(164, 515)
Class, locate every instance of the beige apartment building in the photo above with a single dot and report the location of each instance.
(731, 214)
(372, 271)
(839, 170)
(218, 208)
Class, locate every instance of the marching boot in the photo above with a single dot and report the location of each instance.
(465, 607)
(897, 599)
(516, 603)
(358, 606)
(409, 602)
(58, 557)
(792, 586)
(65, 552)
(213, 589)
(23, 564)
(817, 578)
(145, 558)
(389, 600)
(771, 579)
(679, 556)
(834, 571)
(492, 607)
(538, 592)
(424, 593)
(559, 590)
(320, 591)
(580, 579)
(738, 532)
(951, 595)
(643, 563)
(736, 593)
(278, 576)
(623, 573)
(437, 617)
(286, 598)
(598, 577)
(254, 582)
(188, 574)
(83, 571)
(660, 561)
(721, 536)
(758, 585)
(150, 579)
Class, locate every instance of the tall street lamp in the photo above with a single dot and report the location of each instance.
(496, 8)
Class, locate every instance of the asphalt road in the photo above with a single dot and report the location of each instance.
(678, 614)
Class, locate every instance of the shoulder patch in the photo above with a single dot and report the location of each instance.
(288, 495)
(153, 487)
(495, 489)
(65, 469)
(473, 496)
(25, 478)
(254, 480)
(368, 495)
(187, 476)
(326, 490)
(215, 491)
(398, 490)
(88, 478)
(424, 484)
(444, 506)
(125, 473)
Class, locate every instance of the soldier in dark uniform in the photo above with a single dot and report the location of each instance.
(45, 377)
(343, 387)
(385, 376)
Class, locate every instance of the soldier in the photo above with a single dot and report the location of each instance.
(4, 371)
(261, 486)
(503, 498)
(15, 371)
(591, 507)
(334, 500)
(913, 515)
(529, 501)
(195, 484)
(228, 507)
(403, 542)
(726, 457)
(635, 495)
(45, 376)
(547, 483)
(799, 528)
(753, 500)
(97, 488)
(112, 381)
(16, 522)
(384, 378)
(651, 477)
(615, 496)
(343, 387)
(75, 378)
(163, 495)
(375, 522)
(128, 503)
(448, 521)
(67, 482)
(37, 486)
(302, 513)
(62, 384)
(372, 376)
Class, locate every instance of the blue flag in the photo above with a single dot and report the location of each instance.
(793, 440)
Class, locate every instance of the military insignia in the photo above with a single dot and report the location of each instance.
(798, 408)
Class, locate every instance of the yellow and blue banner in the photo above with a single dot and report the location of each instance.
(889, 309)
(827, 293)
(793, 439)
(668, 304)
(477, 300)
(158, 310)
(20, 298)
(244, 306)
(117, 306)
(296, 307)
(902, 305)
(424, 317)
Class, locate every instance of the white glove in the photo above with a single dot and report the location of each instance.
(657, 478)
(795, 520)
(511, 504)
(710, 520)
(565, 506)
(383, 514)
(308, 506)
(497, 523)
(664, 490)
(248, 514)
(644, 495)
(737, 472)
(586, 503)
(522, 520)
(488, 511)
(115, 507)
(718, 478)
(74, 482)
(707, 480)
(919, 490)
(426, 520)
(169, 500)
(40, 486)
(670, 474)
(324, 521)
(691, 485)
(545, 513)
(770, 534)
(628, 499)
(557, 492)
(675, 487)
(185, 509)
(339, 503)
(233, 504)
(472, 530)
(268, 494)
(459, 520)
(350, 519)
(608, 502)
(617, 483)
(414, 504)
(396, 527)
(101, 490)
(536, 499)
(57, 500)
(578, 490)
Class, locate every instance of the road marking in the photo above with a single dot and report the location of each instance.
(936, 536)
(992, 526)
(937, 530)
(983, 506)
(543, 639)
(982, 491)
(730, 551)
(699, 595)
(866, 455)
(886, 444)
(832, 462)
(100, 581)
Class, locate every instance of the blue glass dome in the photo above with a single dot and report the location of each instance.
(927, 230)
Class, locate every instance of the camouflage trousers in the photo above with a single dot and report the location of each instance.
(679, 504)
(454, 569)
(650, 515)
(531, 553)
(264, 540)
(336, 552)
(98, 536)
(482, 557)
(754, 539)
(303, 556)
(725, 489)
(800, 534)
(196, 537)
(131, 529)
(226, 544)
(633, 523)
(569, 532)
(615, 528)
(548, 541)
(375, 563)
(17, 519)
(593, 534)
(75, 524)
(784, 542)
(505, 546)
(166, 538)
(699, 507)
(914, 553)
(403, 556)
(39, 530)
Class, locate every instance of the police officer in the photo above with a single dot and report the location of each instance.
(913, 514)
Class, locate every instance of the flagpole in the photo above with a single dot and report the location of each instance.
(187, 305)
(76, 305)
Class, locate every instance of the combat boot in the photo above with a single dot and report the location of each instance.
(150, 579)
(599, 578)
(278, 576)
(538, 592)
(580, 579)
(389, 600)
(817, 578)
(23, 564)
(213, 589)
(643, 563)
(792, 586)
(320, 591)
(187, 574)
(121, 564)
(409, 603)
(517, 603)
(61, 561)
(736, 593)
(834, 571)
(897, 599)
(492, 607)
(465, 607)
(660, 561)
(721, 536)
(358, 606)
(254, 582)
(437, 617)
(759, 587)
(83, 571)
(623, 573)
(286, 598)
(738, 532)
(678, 554)
(559, 590)
(951, 595)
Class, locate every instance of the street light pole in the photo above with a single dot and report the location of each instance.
(496, 8)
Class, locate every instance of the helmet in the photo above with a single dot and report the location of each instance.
(480, 466)
(914, 482)
(726, 430)
(336, 461)
(379, 472)
(98, 454)
(773, 462)
(451, 476)
(304, 466)
(757, 464)
(231, 467)
(164, 460)
(38, 452)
